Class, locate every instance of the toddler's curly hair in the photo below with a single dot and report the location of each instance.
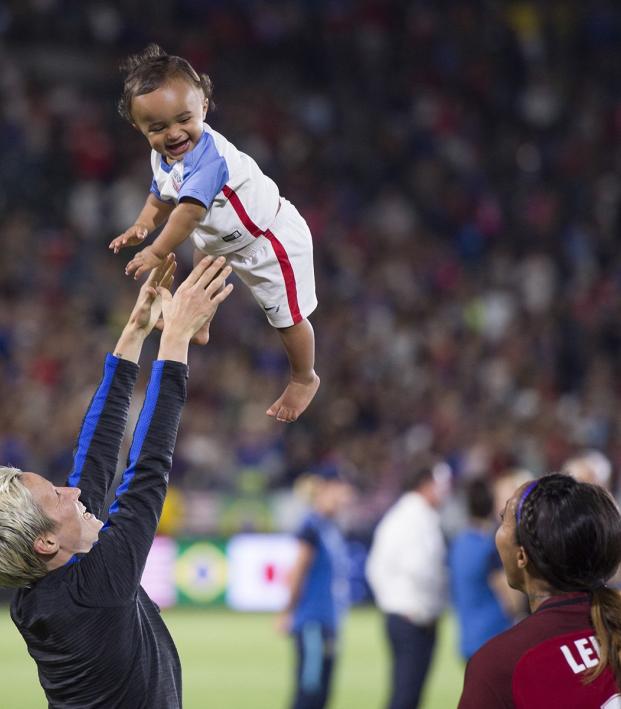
(152, 68)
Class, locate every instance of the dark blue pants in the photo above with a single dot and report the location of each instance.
(316, 651)
(411, 647)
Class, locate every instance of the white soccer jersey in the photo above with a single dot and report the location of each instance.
(241, 201)
(266, 240)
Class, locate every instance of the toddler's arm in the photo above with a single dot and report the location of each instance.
(154, 213)
(183, 219)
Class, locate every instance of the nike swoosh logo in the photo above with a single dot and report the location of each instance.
(272, 308)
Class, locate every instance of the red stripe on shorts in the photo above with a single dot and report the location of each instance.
(279, 250)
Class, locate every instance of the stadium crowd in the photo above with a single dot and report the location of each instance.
(458, 166)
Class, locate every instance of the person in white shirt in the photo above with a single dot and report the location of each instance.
(205, 189)
(407, 573)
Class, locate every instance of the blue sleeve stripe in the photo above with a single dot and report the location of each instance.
(205, 185)
(207, 172)
(140, 433)
(91, 419)
(155, 189)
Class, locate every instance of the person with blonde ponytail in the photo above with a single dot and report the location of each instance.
(318, 587)
(560, 543)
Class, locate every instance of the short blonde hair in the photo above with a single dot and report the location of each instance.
(21, 522)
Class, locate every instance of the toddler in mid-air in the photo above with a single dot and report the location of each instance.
(206, 189)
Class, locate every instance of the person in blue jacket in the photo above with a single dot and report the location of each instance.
(319, 590)
(476, 574)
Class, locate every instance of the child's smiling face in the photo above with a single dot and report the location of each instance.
(171, 117)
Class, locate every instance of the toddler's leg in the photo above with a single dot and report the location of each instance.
(299, 342)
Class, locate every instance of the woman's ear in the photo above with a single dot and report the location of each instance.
(522, 558)
(205, 108)
(46, 545)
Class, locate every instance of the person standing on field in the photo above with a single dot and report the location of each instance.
(318, 589)
(97, 638)
(479, 590)
(407, 573)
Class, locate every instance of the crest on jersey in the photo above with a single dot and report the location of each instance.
(177, 179)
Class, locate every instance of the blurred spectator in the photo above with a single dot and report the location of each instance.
(319, 590)
(466, 223)
(590, 466)
(406, 570)
(476, 572)
(505, 485)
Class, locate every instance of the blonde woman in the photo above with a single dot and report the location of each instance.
(319, 589)
(97, 638)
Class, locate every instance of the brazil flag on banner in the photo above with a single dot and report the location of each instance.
(201, 572)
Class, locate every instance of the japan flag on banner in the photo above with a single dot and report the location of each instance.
(259, 565)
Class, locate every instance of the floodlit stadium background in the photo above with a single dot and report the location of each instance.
(458, 166)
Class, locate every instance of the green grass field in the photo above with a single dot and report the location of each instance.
(235, 661)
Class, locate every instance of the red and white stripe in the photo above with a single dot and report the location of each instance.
(279, 250)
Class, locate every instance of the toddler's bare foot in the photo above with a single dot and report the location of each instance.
(294, 400)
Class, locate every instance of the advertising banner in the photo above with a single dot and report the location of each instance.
(248, 572)
(259, 566)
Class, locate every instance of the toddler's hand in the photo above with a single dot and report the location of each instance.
(135, 235)
(142, 262)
